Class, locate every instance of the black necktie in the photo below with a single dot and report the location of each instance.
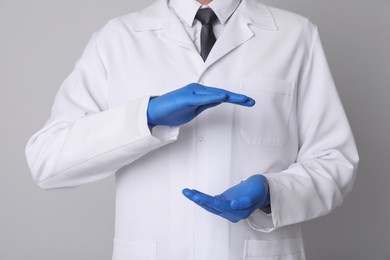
(207, 38)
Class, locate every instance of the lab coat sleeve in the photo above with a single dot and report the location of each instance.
(325, 168)
(84, 140)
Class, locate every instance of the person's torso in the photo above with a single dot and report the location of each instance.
(218, 149)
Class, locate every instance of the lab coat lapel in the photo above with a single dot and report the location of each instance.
(175, 33)
(238, 31)
(158, 16)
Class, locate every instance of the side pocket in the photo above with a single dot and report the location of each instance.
(283, 249)
(134, 250)
(267, 122)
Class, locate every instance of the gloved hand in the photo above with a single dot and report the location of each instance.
(182, 105)
(236, 203)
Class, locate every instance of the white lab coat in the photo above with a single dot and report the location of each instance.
(297, 134)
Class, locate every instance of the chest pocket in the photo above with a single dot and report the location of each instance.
(266, 123)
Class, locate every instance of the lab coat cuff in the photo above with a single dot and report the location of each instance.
(262, 221)
(165, 133)
(158, 133)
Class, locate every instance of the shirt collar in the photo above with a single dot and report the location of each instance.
(186, 9)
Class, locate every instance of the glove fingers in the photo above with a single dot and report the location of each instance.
(204, 107)
(232, 97)
(221, 208)
(190, 193)
(210, 201)
(212, 98)
(207, 200)
(224, 215)
(209, 209)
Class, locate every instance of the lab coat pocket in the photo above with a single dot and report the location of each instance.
(284, 249)
(266, 123)
(134, 250)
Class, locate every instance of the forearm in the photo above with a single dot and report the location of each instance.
(68, 154)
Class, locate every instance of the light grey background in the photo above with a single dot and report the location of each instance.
(40, 41)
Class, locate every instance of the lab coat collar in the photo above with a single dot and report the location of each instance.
(187, 9)
(250, 12)
(159, 15)
(258, 14)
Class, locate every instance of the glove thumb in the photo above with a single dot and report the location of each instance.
(243, 202)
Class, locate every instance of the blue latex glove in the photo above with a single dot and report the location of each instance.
(236, 203)
(182, 105)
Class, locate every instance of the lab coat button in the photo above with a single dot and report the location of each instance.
(200, 138)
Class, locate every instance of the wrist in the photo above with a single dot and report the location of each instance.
(148, 112)
(267, 198)
(267, 201)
